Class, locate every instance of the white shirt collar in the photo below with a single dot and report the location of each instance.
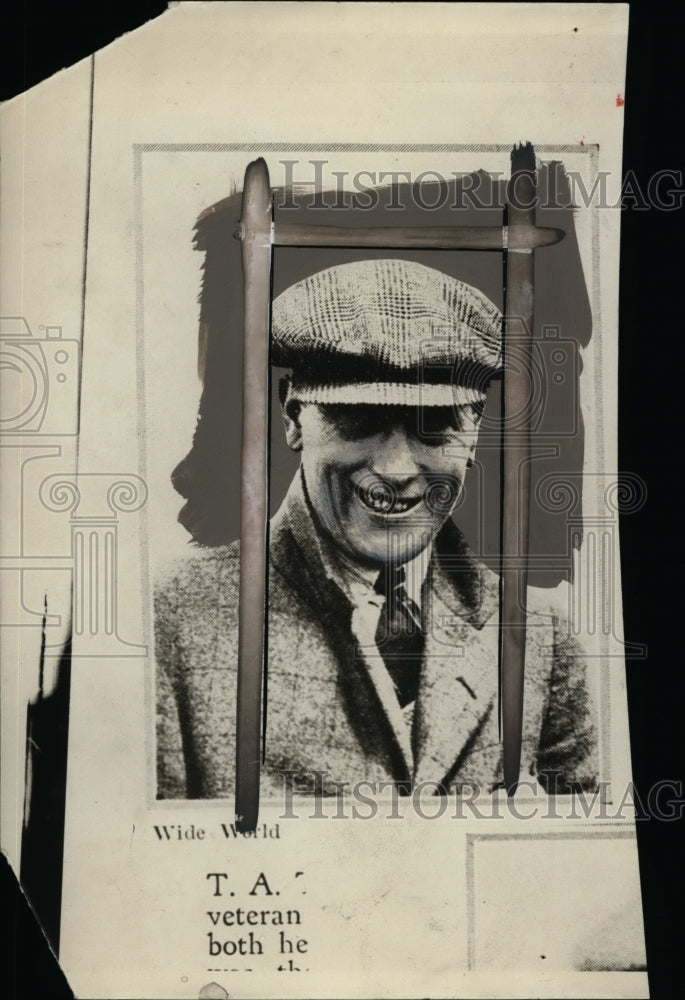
(359, 582)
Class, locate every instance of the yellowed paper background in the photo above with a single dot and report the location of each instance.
(106, 167)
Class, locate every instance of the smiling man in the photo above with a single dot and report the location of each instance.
(382, 624)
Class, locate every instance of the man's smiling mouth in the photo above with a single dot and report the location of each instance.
(382, 501)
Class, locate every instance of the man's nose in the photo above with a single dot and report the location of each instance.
(394, 459)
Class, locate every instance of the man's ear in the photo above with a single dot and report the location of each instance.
(476, 412)
(290, 410)
(472, 451)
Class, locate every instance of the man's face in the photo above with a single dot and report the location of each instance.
(382, 480)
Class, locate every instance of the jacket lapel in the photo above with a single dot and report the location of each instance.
(459, 682)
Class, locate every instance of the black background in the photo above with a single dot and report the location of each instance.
(41, 37)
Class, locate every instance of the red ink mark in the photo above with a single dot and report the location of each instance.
(582, 141)
(619, 101)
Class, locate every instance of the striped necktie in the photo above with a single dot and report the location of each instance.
(400, 636)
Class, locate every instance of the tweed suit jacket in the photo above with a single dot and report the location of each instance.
(331, 707)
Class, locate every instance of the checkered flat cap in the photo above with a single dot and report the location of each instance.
(386, 331)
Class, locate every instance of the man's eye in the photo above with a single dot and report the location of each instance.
(435, 439)
(435, 426)
(351, 422)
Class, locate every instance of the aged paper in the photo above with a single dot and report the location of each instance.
(366, 894)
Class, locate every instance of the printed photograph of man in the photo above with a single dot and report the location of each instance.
(383, 625)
